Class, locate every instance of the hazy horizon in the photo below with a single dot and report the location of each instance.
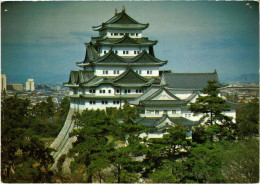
(44, 40)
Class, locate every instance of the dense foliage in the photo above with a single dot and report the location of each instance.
(109, 147)
(24, 156)
(116, 153)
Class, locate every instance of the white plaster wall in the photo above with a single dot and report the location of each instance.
(189, 115)
(161, 111)
(109, 31)
(106, 88)
(154, 69)
(121, 49)
(99, 70)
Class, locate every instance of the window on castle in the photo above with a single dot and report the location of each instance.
(112, 34)
(105, 72)
(92, 102)
(104, 102)
(139, 72)
(117, 91)
(138, 52)
(149, 71)
(173, 111)
(109, 91)
(138, 91)
(116, 71)
(115, 34)
(132, 34)
(136, 34)
(157, 111)
(121, 34)
(116, 102)
(115, 51)
(102, 91)
(125, 52)
(148, 112)
(92, 91)
(105, 51)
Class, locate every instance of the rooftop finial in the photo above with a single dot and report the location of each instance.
(115, 11)
(123, 9)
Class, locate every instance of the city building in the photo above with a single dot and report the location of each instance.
(29, 85)
(3, 82)
(15, 87)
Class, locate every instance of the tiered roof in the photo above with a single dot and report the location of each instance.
(155, 123)
(123, 41)
(154, 97)
(110, 59)
(128, 78)
(121, 21)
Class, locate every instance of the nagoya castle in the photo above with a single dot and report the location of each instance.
(120, 65)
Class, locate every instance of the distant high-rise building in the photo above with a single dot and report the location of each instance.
(29, 85)
(3, 82)
(15, 87)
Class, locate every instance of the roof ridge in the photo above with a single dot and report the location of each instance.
(145, 53)
(127, 72)
(190, 73)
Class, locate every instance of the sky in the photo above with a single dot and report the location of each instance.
(44, 40)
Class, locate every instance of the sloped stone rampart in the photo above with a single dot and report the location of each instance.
(63, 142)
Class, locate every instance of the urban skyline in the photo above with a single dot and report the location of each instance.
(45, 39)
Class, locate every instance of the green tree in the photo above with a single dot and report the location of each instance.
(241, 161)
(24, 157)
(167, 153)
(211, 104)
(124, 157)
(248, 119)
(204, 163)
(92, 146)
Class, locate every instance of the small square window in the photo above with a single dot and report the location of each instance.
(156, 111)
(100, 91)
(132, 34)
(109, 91)
(121, 34)
(117, 91)
(104, 91)
(136, 34)
(112, 34)
(127, 52)
(116, 34)
(125, 90)
(173, 111)
(90, 91)
(128, 90)
(105, 51)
